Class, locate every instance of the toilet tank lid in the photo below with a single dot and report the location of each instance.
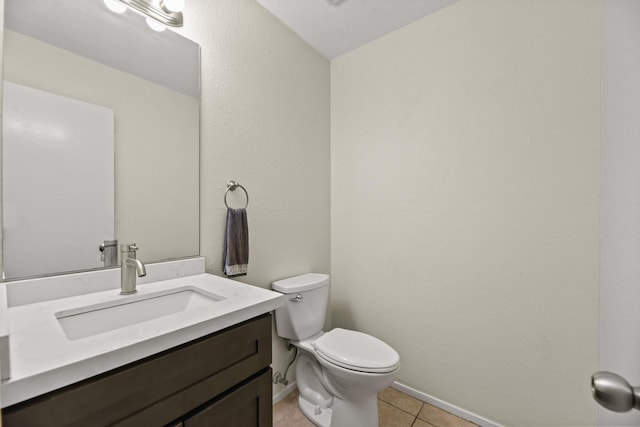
(304, 282)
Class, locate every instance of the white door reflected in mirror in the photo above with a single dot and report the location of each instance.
(58, 182)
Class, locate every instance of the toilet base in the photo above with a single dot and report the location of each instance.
(360, 413)
(355, 413)
(321, 419)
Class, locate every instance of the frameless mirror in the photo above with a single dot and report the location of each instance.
(100, 138)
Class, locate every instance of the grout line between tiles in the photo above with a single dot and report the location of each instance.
(406, 412)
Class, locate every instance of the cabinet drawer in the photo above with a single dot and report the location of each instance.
(249, 405)
(158, 389)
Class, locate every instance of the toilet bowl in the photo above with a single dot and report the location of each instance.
(340, 372)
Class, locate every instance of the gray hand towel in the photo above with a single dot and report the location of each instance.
(236, 243)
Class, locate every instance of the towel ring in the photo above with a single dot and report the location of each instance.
(231, 186)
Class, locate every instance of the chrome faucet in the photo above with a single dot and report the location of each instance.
(131, 266)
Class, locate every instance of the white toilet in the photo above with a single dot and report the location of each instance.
(340, 372)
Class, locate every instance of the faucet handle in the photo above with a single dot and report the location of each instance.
(128, 247)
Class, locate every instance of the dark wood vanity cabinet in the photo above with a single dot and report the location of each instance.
(222, 379)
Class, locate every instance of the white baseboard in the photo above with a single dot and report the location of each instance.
(462, 413)
(284, 392)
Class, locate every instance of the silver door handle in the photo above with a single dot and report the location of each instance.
(614, 392)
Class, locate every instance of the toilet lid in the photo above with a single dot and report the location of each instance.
(357, 351)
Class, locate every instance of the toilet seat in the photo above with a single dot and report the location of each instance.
(356, 351)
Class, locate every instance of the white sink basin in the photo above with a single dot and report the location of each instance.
(91, 320)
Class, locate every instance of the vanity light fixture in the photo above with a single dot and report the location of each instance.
(115, 6)
(172, 5)
(159, 12)
(155, 25)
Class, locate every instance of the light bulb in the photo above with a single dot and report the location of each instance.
(115, 6)
(155, 25)
(172, 5)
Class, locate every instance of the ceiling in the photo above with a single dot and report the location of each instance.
(334, 27)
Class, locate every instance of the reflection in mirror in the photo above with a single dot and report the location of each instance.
(45, 134)
(119, 161)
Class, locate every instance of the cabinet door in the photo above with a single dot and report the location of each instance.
(247, 406)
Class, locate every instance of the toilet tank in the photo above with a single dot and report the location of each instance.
(305, 305)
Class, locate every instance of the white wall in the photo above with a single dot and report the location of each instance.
(620, 198)
(265, 124)
(464, 156)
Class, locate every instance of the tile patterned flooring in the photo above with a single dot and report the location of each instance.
(395, 409)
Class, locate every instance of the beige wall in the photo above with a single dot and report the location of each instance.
(464, 156)
(265, 124)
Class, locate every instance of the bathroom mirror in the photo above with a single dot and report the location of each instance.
(146, 86)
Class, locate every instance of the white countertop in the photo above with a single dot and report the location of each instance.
(43, 359)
